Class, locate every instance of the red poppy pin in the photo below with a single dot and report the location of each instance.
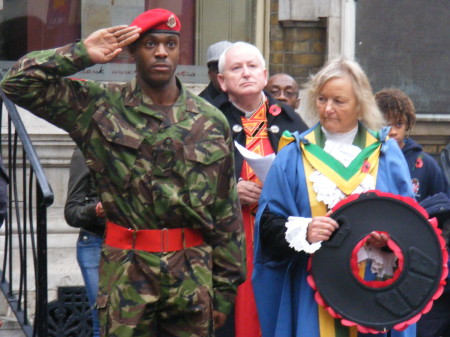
(419, 162)
(275, 110)
(365, 167)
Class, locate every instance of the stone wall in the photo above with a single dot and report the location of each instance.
(296, 48)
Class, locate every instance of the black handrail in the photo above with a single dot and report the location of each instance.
(28, 230)
(47, 193)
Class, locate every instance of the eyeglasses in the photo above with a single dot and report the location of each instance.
(275, 93)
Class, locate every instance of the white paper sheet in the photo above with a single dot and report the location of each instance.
(258, 163)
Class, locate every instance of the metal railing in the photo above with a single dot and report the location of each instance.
(23, 268)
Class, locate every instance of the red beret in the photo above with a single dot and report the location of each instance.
(158, 19)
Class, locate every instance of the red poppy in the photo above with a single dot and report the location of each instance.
(419, 162)
(365, 167)
(275, 110)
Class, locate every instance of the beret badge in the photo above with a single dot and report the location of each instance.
(171, 22)
(157, 20)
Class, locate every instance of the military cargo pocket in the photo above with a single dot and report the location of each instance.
(115, 129)
(203, 160)
(102, 306)
(114, 147)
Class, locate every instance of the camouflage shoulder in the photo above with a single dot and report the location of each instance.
(122, 88)
(286, 138)
(200, 101)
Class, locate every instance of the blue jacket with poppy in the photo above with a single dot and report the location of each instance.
(427, 177)
(287, 119)
(285, 301)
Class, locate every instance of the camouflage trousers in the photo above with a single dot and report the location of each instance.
(144, 294)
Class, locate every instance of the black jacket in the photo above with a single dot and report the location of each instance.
(210, 93)
(288, 119)
(82, 198)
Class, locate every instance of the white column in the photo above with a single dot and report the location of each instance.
(262, 27)
(332, 10)
(348, 28)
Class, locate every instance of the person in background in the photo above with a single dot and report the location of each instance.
(304, 183)
(284, 88)
(162, 160)
(84, 210)
(400, 114)
(212, 58)
(257, 122)
(430, 188)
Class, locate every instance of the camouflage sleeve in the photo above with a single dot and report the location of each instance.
(229, 268)
(38, 79)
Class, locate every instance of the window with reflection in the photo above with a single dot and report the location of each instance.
(28, 25)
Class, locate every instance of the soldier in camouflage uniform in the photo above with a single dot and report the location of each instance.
(163, 163)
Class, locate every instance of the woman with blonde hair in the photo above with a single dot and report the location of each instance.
(368, 112)
(343, 154)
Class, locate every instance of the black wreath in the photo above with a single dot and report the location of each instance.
(422, 272)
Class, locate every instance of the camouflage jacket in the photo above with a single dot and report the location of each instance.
(155, 167)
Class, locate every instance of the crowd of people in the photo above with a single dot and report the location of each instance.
(179, 235)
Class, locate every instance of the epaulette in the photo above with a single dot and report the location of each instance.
(286, 138)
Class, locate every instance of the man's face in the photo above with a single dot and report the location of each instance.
(156, 56)
(285, 89)
(243, 73)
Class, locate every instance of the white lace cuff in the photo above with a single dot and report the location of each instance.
(296, 235)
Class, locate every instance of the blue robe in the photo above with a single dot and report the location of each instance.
(285, 302)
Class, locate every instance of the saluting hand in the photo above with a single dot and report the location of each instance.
(105, 44)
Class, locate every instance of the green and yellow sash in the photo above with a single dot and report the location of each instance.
(346, 179)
